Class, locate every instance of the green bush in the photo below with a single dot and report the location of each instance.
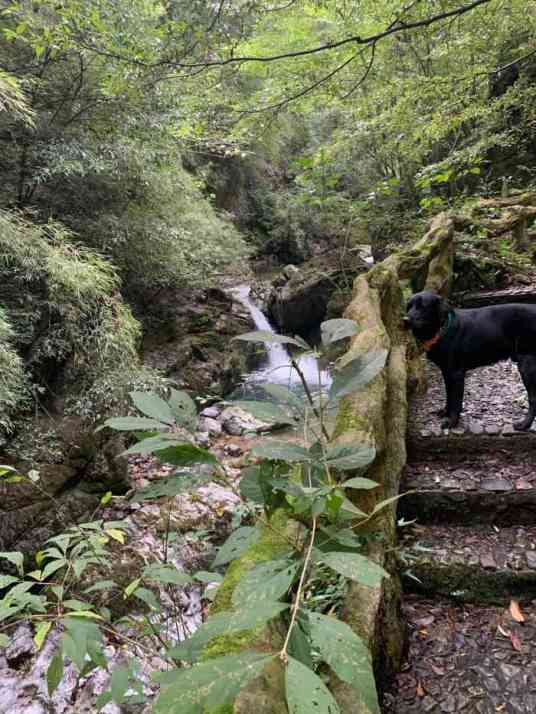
(139, 206)
(69, 320)
(13, 383)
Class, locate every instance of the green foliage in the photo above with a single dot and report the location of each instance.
(14, 392)
(63, 302)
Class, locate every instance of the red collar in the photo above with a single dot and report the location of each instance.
(428, 344)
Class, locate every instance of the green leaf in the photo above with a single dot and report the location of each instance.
(237, 543)
(16, 558)
(7, 580)
(280, 451)
(266, 581)
(101, 585)
(299, 646)
(4, 640)
(41, 633)
(52, 567)
(354, 566)
(209, 685)
(226, 623)
(334, 330)
(346, 458)
(131, 587)
(346, 654)
(54, 673)
(360, 483)
(251, 484)
(119, 684)
(356, 374)
(185, 455)
(184, 409)
(153, 406)
(152, 444)
(149, 598)
(306, 692)
(283, 394)
(266, 336)
(202, 576)
(134, 424)
(387, 502)
(166, 574)
(172, 486)
(265, 411)
(106, 498)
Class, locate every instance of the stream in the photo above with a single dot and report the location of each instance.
(275, 365)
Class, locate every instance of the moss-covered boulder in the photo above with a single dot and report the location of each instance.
(188, 338)
(299, 298)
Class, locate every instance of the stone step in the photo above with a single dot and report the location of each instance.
(523, 294)
(466, 660)
(496, 489)
(494, 398)
(480, 563)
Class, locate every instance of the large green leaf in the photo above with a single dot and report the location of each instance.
(265, 411)
(166, 574)
(154, 443)
(346, 654)
(209, 685)
(153, 406)
(183, 408)
(306, 692)
(283, 394)
(266, 336)
(54, 673)
(134, 424)
(299, 645)
(226, 623)
(281, 451)
(251, 484)
(238, 542)
(354, 566)
(356, 374)
(173, 485)
(346, 458)
(185, 455)
(360, 483)
(266, 581)
(338, 329)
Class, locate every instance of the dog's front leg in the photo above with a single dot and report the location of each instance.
(454, 387)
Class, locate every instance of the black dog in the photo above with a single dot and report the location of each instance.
(460, 340)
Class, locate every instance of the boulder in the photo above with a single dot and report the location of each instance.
(212, 426)
(188, 337)
(75, 467)
(236, 421)
(299, 298)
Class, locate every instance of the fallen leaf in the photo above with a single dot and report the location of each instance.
(420, 690)
(515, 611)
(516, 642)
(438, 670)
(500, 707)
(505, 633)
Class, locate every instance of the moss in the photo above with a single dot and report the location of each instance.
(270, 545)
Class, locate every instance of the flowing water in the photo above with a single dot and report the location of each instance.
(276, 366)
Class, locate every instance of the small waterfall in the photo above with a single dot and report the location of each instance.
(277, 367)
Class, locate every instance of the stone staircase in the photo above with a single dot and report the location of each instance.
(471, 550)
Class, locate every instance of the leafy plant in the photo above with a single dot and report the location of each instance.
(307, 482)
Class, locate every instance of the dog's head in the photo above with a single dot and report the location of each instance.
(425, 313)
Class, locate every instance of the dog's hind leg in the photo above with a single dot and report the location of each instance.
(527, 369)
